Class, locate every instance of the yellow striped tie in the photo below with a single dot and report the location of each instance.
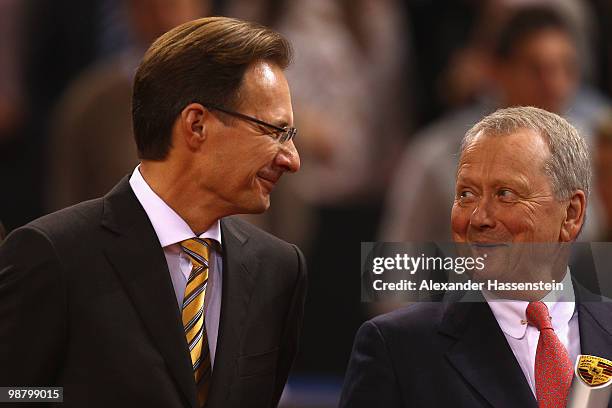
(193, 313)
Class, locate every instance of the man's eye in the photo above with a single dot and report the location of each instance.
(276, 134)
(506, 195)
(466, 195)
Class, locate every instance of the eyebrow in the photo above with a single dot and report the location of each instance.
(280, 121)
(244, 117)
(519, 182)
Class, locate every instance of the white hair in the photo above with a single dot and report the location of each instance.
(569, 164)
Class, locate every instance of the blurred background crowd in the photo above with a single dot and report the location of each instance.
(383, 91)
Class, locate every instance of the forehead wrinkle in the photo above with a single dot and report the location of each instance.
(519, 180)
(487, 155)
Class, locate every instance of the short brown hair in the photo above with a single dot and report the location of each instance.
(524, 23)
(200, 61)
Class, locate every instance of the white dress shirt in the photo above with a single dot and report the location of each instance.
(523, 338)
(171, 229)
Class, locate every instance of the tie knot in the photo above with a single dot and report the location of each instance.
(198, 250)
(537, 315)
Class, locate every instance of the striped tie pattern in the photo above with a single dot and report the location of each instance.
(198, 251)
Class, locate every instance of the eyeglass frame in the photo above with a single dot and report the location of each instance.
(287, 132)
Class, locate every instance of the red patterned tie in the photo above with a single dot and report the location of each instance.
(553, 368)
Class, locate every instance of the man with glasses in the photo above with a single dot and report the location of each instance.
(152, 296)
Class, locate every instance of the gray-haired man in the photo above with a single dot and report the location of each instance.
(523, 178)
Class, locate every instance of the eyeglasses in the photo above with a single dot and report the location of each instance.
(281, 134)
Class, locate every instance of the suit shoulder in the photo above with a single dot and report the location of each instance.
(70, 221)
(245, 230)
(416, 319)
(264, 245)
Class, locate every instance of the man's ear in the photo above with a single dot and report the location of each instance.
(193, 124)
(575, 211)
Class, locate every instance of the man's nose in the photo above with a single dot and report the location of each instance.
(288, 157)
(483, 215)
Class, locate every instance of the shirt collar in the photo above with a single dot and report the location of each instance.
(169, 227)
(510, 314)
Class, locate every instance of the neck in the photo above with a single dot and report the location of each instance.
(181, 193)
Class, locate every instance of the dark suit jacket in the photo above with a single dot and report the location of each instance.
(86, 302)
(450, 355)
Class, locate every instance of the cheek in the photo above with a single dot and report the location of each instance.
(518, 224)
(246, 163)
(553, 222)
(460, 219)
(527, 220)
(261, 154)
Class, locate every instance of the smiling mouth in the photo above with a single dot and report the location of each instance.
(488, 244)
(266, 183)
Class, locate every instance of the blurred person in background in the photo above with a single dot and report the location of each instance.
(360, 116)
(351, 97)
(602, 163)
(597, 254)
(602, 11)
(533, 61)
(13, 148)
(48, 43)
(11, 92)
(464, 76)
(91, 141)
(354, 126)
(439, 31)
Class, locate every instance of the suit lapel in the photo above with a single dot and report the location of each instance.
(595, 323)
(240, 267)
(483, 357)
(139, 262)
(594, 315)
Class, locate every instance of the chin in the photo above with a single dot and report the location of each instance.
(266, 204)
(258, 206)
(262, 208)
